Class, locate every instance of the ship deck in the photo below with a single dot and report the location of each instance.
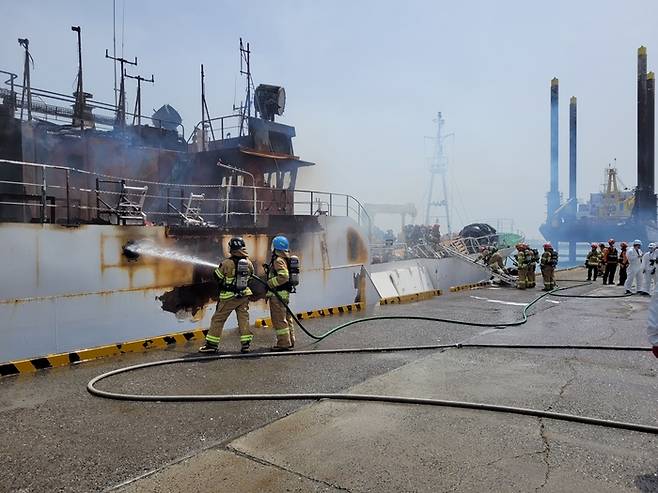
(57, 437)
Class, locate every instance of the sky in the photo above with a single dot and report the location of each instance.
(365, 80)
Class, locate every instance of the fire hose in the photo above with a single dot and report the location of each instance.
(539, 413)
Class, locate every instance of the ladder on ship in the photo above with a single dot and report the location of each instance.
(500, 276)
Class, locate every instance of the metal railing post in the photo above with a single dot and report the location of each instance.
(310, 207)
(43, 194)
(68, 196)
(331, 204)
(228, 194)
(98, 201)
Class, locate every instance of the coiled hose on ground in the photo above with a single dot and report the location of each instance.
(91, 386)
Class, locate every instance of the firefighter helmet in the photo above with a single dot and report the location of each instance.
(652, 245)
(637, 242)
(611, 241)
(236, 243)
(548, 246)
(280, 243)
(623, 244)
(594, 245)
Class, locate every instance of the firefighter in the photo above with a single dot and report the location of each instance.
(496, 262)
(484, 255)
(634, 256)
(282, 277)
(602, 252)
(547, 264)
(522, 266)
(623, 263)
(233, 276)
(648, 269)
(592, 262)
(611, 257)
(532, 257)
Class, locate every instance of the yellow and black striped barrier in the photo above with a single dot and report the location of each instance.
(410, 298)
(465, 287)
(64, 359)
(322, 312)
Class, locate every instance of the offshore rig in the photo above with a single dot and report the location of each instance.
(615, 212)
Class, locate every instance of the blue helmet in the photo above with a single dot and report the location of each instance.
(280, 243)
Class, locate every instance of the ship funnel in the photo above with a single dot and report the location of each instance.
(554, 193)
(573, 115)
(645, 199)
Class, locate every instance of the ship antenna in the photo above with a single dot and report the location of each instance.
(27, 86)
(120, 118)
(245, 69)
(137, 115)
(114, 46)
(205, 114)
(78, 109)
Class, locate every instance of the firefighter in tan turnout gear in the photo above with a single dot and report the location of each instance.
(548, 262)
(233, 276)
(282, 278)
(522, 266)
(531, 258)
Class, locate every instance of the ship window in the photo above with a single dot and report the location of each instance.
(286, 180)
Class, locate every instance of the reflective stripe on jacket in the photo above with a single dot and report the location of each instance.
(593, 258)
(278, 274)
(226, 275)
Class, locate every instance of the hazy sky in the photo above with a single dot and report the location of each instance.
(365, 80)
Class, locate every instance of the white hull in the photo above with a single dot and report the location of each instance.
(66, 288)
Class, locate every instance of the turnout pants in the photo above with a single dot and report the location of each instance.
(530, 276)
(523, 278)
(609, 273)
(592, 269)
(280, 320)
(224, 309)
(548, 273)
(622, 274)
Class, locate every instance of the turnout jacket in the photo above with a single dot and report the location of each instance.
(225, 274)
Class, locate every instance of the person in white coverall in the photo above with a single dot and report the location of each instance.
(648, 269)
(652, 327)
(634, 257)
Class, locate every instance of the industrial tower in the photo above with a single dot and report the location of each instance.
(438, 166)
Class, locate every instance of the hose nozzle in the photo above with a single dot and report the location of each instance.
(130, 251)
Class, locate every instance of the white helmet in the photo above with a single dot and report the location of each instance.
(637, 242)
(652, 245)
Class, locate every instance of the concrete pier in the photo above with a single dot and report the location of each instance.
(57, 437)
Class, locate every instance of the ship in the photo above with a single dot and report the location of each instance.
(616, 212)
(81, 179)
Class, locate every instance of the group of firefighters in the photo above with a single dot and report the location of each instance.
(527, 258)
(233, 276)
(637, 269)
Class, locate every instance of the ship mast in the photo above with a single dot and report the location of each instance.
(120, 119)
(27, 87)
(439, 166)
(137, 116)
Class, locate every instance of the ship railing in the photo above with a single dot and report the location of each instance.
(31, 192)
(215, 129)
(48, 104)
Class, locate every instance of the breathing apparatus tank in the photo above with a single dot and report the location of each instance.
(293, 271)
(241, 274)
